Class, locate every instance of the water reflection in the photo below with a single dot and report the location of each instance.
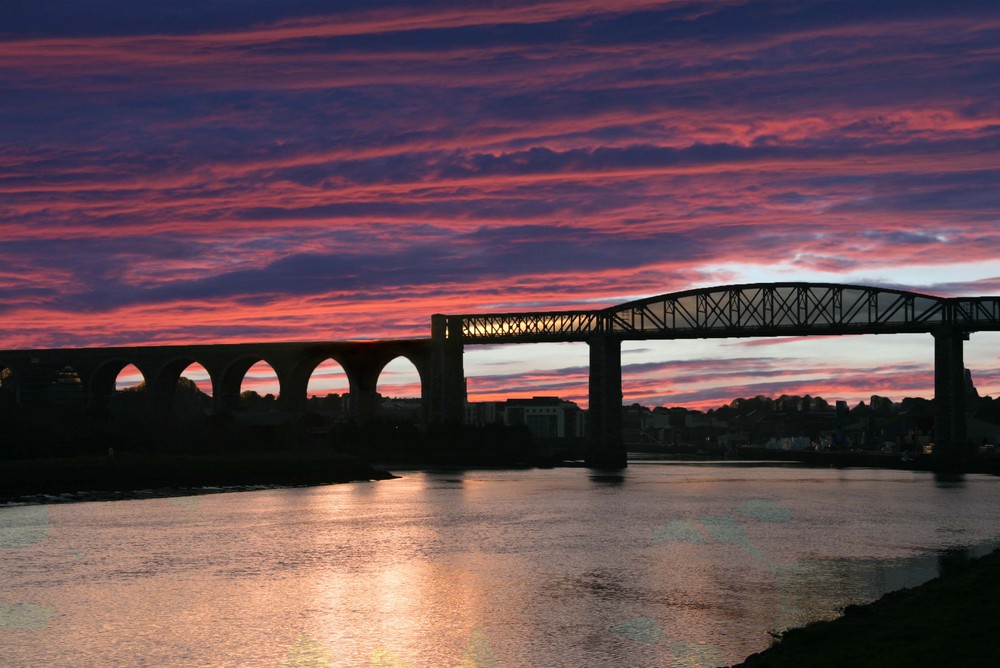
(953, 558)
(947, 479)
(609, 477)
(681, 566)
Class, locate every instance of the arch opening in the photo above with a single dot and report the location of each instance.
(192, 394)
(328, 390)
(398, 391)
(260, 388)
(129, 393)
(129, 379)
(198, 376)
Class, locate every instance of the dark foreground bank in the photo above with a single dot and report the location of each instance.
(118, 476)
(949, 621)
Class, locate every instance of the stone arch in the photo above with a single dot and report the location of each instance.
(103, 380)
(130, 376)
(332, 398)
(193, 371)
(296, 375)
(258, 385)
(301, 375)
(231, 379)
(163, 384)
(401, 407)
(415, 361)
(343, 370)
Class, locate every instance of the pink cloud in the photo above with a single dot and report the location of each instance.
(160, 187)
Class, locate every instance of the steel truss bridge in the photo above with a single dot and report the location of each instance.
(751, 310)
(772, 309)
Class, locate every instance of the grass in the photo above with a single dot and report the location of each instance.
(949, 621)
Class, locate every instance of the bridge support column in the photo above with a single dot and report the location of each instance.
(292, 391)
(225, 390)
(949, 396)
(364, 405)
(447, 386)
(159, 407)
(605, 446)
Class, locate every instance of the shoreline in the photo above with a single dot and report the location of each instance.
(132, 475)
(947, 621)
(828, 459)
(157, 493)
(141, 476)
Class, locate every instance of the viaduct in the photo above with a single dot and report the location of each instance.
(750, 310)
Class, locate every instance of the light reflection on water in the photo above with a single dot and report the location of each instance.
(662, 565)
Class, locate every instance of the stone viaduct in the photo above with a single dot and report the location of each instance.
(751, 310)
(36, 372)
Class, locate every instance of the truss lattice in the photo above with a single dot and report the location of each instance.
(515, 327)
(766, 309)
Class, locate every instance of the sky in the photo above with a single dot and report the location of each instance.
(217, 172)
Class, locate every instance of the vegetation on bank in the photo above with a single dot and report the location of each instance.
(126, 472)
(879, 425)
(408, 444)
(188, 445)
(50, 451)
(949, 621)
(129, 423)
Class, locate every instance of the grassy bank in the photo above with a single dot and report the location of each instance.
(125, 472)
(949, 621)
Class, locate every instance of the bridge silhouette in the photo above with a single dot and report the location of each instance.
(750, 310)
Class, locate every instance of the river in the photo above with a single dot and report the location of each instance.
(665, 564)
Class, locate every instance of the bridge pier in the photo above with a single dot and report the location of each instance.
(447, 383)
(950, 444)
(605, 446)
(364, 402)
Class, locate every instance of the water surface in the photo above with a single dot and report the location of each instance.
(662, 565)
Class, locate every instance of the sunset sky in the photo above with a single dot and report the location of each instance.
(178, 172)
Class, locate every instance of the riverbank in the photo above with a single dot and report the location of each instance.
(875, 459)
(949, 621)
(128, 475)
(831, 459)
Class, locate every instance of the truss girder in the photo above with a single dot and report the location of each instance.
(975, 312)
(774, 309)
(765, 309)
(513, 327)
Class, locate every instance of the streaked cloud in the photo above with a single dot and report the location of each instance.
(186, 172)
